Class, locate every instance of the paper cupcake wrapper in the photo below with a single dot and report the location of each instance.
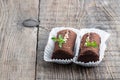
(50, 46)
(104, 36)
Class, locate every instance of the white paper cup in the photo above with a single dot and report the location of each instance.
(50, 46)
(103, 35)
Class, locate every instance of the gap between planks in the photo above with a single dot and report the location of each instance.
(37, 39)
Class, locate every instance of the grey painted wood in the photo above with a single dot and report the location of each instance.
(102, 14)
(17, 43)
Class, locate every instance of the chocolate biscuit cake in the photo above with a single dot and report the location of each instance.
(89, 48)
(64, 44)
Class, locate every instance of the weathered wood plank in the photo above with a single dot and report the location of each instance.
(17, 43)
(102, 14)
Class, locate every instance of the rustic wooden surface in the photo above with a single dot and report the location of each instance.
(102, 14)
(22, 48)
(17, 43)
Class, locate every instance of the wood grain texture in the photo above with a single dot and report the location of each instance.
(17, 43)
(102, 14)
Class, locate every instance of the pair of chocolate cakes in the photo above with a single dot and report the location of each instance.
(65, 43)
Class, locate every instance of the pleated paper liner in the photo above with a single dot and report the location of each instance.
(50, 46)
(103, 35)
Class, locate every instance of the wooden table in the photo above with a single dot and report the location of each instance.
(21, 48)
